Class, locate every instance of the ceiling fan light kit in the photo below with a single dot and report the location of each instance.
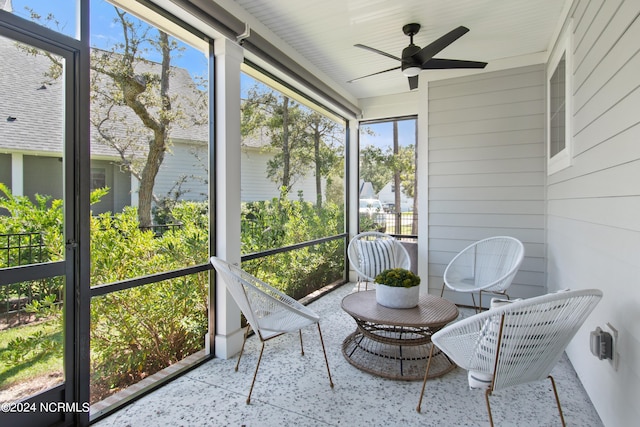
(414, 59)
(411, 71)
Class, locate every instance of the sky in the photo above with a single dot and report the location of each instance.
(383, 134)
(104, 31)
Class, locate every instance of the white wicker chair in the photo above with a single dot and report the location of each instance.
(372, 252)
(269, 312)
(515, 343)
(488, 265)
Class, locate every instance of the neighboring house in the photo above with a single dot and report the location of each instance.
(388, 196)
(31, 144)
(31, 133)
(366, 190)
(256, 152)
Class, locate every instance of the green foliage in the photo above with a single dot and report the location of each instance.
(282, 222)
(138, 331)
(35, 346)
(374, 167)
(43, 342)
(299, 140)
(398, 278)
(378, 167)
(43, 217)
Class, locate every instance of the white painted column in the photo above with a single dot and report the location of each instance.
(228, 58)
(354, 186)
(423, 187)
(17, 174)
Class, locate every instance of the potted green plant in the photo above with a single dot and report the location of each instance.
(397, 288)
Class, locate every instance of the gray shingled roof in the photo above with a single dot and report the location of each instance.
(37, 108)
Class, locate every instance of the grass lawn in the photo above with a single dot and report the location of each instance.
(34, 358)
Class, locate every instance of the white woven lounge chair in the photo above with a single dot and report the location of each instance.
(372, 252)
(269, 312)
(488, 265)
(516, 343)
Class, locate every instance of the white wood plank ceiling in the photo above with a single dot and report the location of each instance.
(324, 33)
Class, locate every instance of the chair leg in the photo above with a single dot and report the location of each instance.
(486, 397)
(473, 298)
(301, 346)
(246, 334)
(442, 290)
(426, 375)
(326, 361)
(255, 374)
(555, 392)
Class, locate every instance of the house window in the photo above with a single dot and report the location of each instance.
(558, 105)
(98, 178)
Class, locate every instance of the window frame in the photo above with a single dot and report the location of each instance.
(563, 51)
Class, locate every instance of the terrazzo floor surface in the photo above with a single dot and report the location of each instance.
(293, 390)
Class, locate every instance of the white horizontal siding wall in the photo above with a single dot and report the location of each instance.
(487, 170)
(257, 186)
(594, 205)
(189, 160)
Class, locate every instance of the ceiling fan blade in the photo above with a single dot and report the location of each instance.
(373, 74)
(413, 82)
(379, 52)
(429, 51)
(443, 64)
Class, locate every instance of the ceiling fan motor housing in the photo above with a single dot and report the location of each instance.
(407, 57)
(407, 53)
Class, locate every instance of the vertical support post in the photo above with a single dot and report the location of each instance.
(353, 181)
(228, 58)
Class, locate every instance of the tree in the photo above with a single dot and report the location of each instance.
(374, 167)
(396, 163)
(299, 138)
(125, 81)
(281, 119)
(325, 156)
(381, 166)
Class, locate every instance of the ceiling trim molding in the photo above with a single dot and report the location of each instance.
(231, 27)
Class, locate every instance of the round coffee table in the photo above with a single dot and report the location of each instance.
(396, 343)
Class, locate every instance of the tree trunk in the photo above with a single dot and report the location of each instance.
(286, 154)
(318, 161)
(158, 145)
(397, 183)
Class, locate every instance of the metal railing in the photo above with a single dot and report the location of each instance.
(396, 224)
(19, 249)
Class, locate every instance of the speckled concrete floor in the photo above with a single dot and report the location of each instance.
(293, 390)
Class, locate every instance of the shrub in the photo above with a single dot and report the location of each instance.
(281, 222)
(138, 331)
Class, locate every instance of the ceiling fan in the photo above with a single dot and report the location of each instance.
(415, 59)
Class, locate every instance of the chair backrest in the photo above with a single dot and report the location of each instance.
(527, 337)
(489, 264)
(268, 310)
(372, 252)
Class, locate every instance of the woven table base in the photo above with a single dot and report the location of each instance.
(397, 362)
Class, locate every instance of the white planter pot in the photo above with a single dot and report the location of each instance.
(395, 297)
